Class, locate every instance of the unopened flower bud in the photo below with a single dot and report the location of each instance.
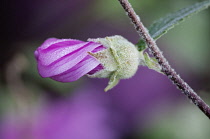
(67, 60)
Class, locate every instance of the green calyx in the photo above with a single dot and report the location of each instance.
(120, 59)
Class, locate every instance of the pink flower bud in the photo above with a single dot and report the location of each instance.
(67, 60)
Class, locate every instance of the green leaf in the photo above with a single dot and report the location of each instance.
(112, 82)
(152, 63)
(141, 45)
(163, 25)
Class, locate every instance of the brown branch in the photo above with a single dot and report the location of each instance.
(166, 68)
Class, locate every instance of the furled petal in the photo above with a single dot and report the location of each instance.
(67, 60)
(51, 41)
(78, 70)
(54, 44)
(96, 69)
(50, 55)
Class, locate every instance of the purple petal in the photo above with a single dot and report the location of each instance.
(51, 41)
(96, 69)
(78, 70)
(66, 62)
(48, 56)
(100, 48)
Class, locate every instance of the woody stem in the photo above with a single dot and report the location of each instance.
(165, 66)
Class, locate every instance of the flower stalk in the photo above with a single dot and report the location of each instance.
(165, 66)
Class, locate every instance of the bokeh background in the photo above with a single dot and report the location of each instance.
(147, 106)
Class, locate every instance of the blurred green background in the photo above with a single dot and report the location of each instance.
(147, 106)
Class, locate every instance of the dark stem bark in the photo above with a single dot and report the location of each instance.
(166, 68)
